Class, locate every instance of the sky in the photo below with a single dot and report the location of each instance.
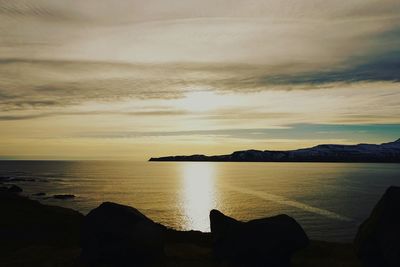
(132, 79)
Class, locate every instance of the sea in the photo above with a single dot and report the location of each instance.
(330, 200)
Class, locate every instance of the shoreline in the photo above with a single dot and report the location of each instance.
(359, 153)
(63, 246)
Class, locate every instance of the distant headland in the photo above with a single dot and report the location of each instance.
(385, 153)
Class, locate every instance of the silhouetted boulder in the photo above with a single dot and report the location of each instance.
(120, 235)
(377, 241)
(220, 224)
(25, 222)
(64, 196)
(262, 242)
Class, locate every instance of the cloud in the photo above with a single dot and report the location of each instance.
(304, 131)
(57, 56)
(244, 114)
(136, 10)
(252, 31)
(233, 73)
(386, 68)
(92, 113)
(35, 84)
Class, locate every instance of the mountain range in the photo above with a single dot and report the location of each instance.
(386, 152)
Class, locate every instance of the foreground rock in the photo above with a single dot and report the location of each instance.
(378, 239)
(262, 242)
(37, 235)
(33, 234)
(120, 235)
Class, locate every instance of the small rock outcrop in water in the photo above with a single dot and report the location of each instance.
(64, 196)
(11, 189)
(262, 242)
(6, 179)
(378, 239)
(15, 189)
(120, 235)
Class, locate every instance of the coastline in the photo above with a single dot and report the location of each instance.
(56, 233)
(360, 153)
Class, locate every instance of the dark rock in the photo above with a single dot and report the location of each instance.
(40, 194)
(15, 189)
(220, 224)
(191, 236)
(26, 223)
(22, 180)
(15, 179)
(65, 196)
(4, 179)
(120, 235)
(11, 189)
(262, 242)
(377, 241)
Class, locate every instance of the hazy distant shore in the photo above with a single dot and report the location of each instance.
(361, 153)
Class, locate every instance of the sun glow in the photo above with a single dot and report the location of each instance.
(198, 196)
(201, 101)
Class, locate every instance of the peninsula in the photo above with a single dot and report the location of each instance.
(385, 153)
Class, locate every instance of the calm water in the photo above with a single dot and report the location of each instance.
(328, 199)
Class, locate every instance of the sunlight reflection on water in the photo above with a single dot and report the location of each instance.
(198, 194)
(328, 200)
